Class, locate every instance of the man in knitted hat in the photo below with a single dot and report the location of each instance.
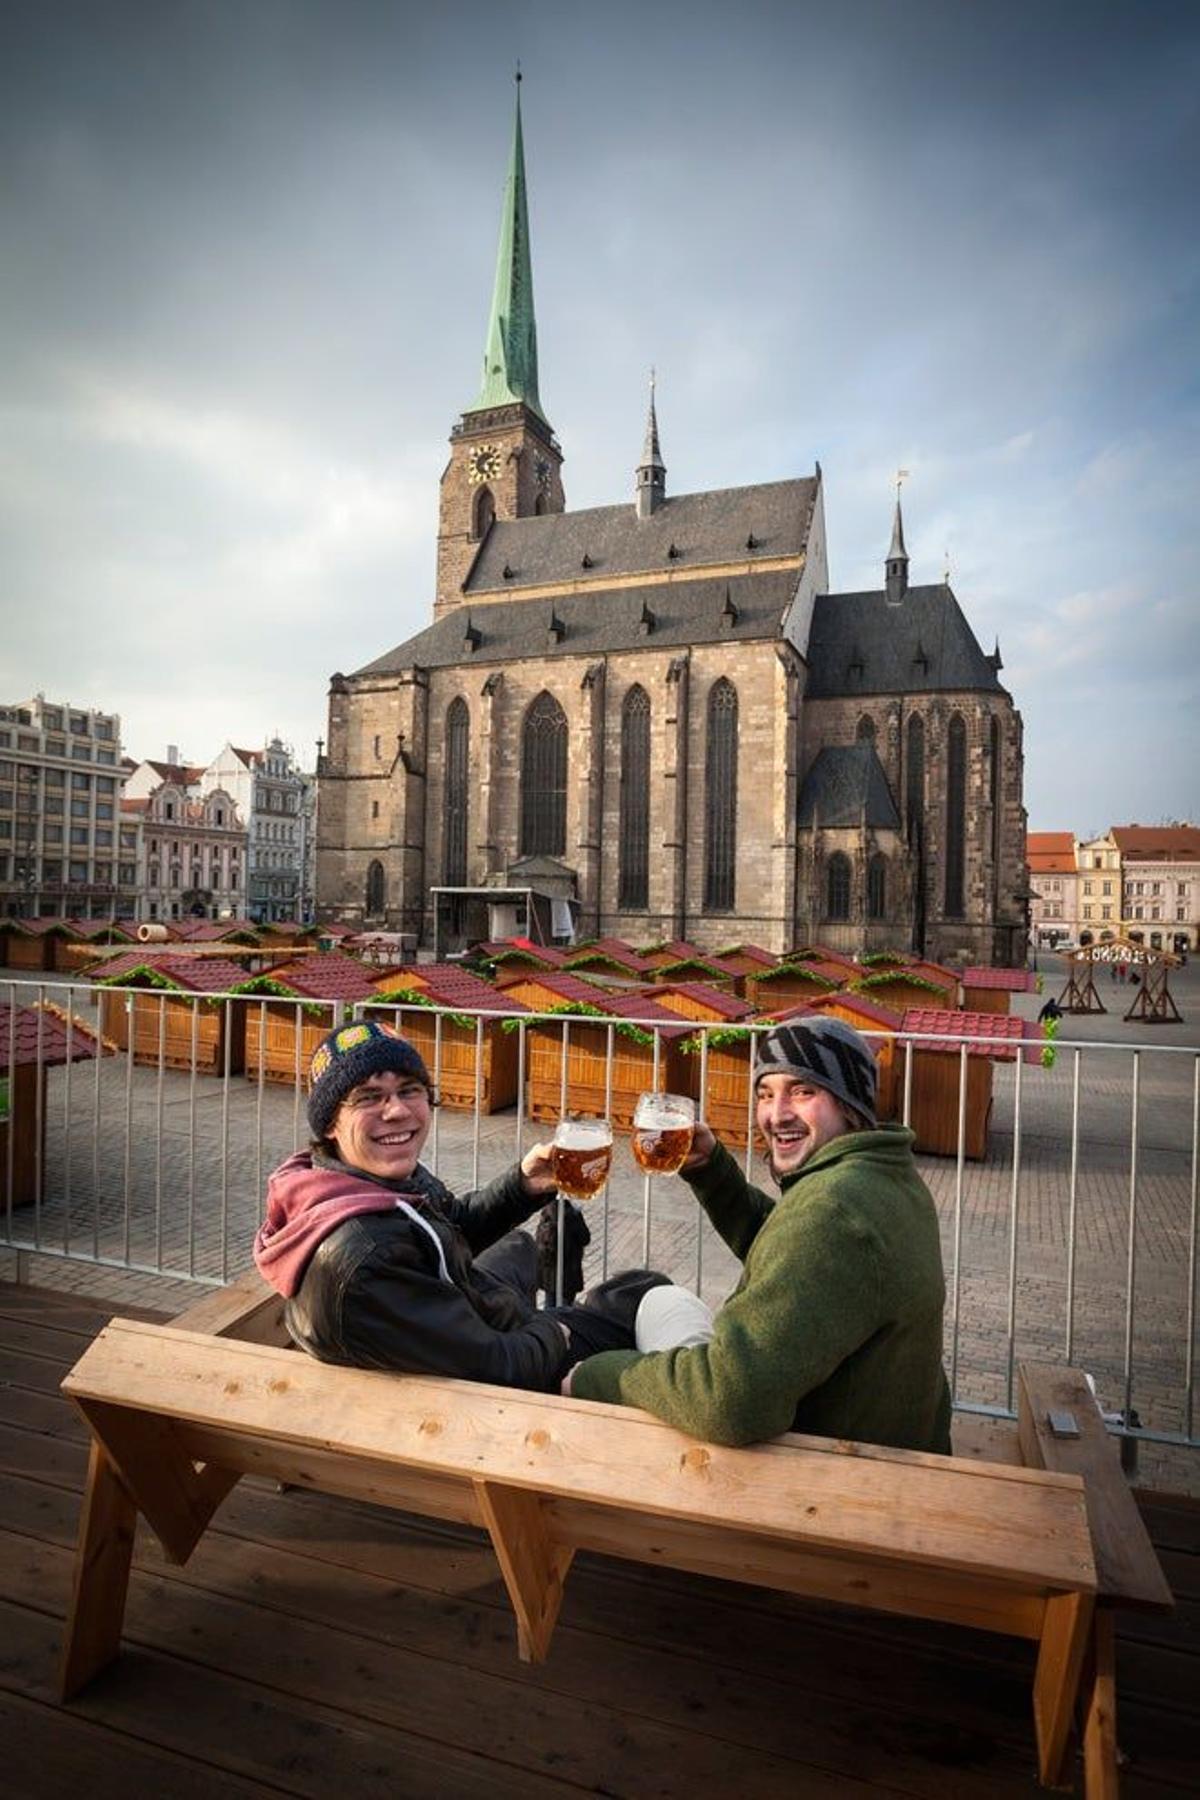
(835, 1326)
(380, 1264)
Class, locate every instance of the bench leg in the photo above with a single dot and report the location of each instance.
(533, 1566)
(174, 1497)
(1066, 1625)
(1100, 1712)
(102, 1559)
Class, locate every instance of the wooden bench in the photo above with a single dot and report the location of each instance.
(178, 1414)
(1128, 1572)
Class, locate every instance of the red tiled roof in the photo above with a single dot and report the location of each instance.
(449, 984)
(22, 1026)
(506, 951)
(1006, 981)
(831, 974)
(752, 952)
(571, 987)
(703, 960)
(1050, 852)
(1158, 843)
(133, 804)
(333, 976)
(950, 1028)
(818, 953)
(181, 774)
(726, 1004)
(861, 1005)
(188, 974)
(621, 957)
(39, 927)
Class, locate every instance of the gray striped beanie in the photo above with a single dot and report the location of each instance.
(827, 1052)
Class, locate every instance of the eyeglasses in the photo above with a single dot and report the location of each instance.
(367, 1099)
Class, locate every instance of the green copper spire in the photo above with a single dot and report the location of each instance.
(510, 359)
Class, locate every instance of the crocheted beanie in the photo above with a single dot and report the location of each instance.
(349, 1055)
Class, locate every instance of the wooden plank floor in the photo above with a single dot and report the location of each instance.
(317, 1647)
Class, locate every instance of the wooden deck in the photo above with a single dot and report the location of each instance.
(321, 1647)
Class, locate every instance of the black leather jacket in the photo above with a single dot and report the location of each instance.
(373, 1295)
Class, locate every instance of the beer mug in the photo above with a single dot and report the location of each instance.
(581, 1156)
(662, 1132)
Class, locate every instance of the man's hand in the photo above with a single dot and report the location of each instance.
(566, 1380)
(537, 1172)
(703, 1145)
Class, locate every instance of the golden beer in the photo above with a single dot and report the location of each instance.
(581, 1157)
(662, 1132)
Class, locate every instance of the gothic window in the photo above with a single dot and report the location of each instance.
(458, 729)
(994, 779)
(956, 821)
(544, 779)
(376, 889)
(865, 734)
(837, 887)
(633, 879)
(720, 797)
(877, 886)
(914, 778)
(483, 511)
(540, 505)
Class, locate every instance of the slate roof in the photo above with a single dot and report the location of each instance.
(704, 528)
(20, 1027)
(845, 779)
(858, 644)
(598, 622)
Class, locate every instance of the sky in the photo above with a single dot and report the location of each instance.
(248, 258)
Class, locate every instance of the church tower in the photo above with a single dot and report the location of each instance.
(505, 461)
(896, 567)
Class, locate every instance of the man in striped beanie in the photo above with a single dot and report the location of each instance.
(835, 1327)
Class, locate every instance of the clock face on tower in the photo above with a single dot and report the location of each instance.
(541, 470)
(483, 464)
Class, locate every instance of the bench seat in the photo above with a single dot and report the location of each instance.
(179, 1415)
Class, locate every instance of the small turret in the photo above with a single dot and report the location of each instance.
(897, 560)
(651, 471)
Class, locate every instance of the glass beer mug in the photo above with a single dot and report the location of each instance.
(582, 1156)
(662, 1132)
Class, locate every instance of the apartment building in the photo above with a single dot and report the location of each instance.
(1160, 884)
(268, 788)
(1053, 883)
(193, 845)
(63, 849)
(1099, 861)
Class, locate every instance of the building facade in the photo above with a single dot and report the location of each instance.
(268, 790)
(192, 846)
(1160, 884)
(662, 702)
(62, 849)
(1053, 881)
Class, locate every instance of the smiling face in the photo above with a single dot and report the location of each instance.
(796, 1118)
(382, 1124)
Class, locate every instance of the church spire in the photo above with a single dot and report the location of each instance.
(651, 473)
(897, 556)
(510, 372)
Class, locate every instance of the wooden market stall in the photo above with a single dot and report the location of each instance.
(609, 961)
(636, 1021)
(33, 1039)
(33, 944)
(289, 1008)
(678, 950)
(938, 1037)
(913, 984)
(468, 1060)
(793, 984)
(991, 990)
(702, 966)
(162, 1005)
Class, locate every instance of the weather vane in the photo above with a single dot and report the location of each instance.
(901, 478)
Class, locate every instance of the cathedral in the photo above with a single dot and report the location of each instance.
(656, 715)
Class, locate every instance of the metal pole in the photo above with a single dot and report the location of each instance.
(1131, 1263)
(959, 1172)
(1190, 1377)
(1072, 1207)
(1014, 1206)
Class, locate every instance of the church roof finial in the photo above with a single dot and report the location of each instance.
(897, 556)
(510, 369)
(651, 475)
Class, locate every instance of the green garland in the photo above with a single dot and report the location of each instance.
(722, 1039)
(889, 975)
(691, 962)
(1049, 1053)
(154, 976)
(794, 970)
(269, 986)
(580, 1008)
(895, 959)
(413, 997)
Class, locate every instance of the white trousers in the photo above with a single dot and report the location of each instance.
(672, 1318)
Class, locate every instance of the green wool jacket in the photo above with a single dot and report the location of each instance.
(835, 1327)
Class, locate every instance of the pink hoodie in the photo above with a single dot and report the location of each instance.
(304, 1205)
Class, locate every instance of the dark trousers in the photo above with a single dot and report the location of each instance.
(602, 1320)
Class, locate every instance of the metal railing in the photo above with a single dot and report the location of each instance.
(1073, 1236)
